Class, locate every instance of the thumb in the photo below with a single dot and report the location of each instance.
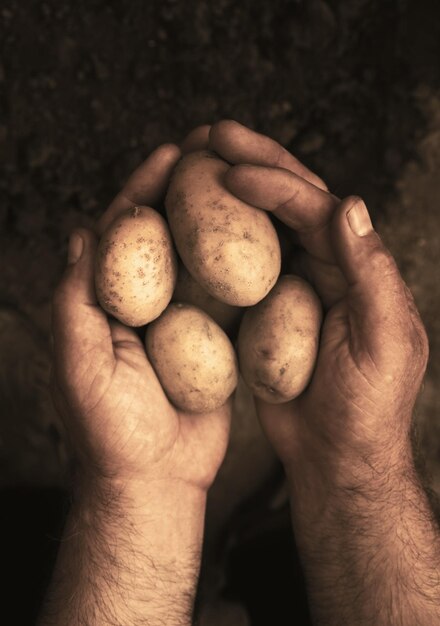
(79, 326)
(378, 310)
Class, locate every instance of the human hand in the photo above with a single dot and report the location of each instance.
(122, 425)
(353, 420)
(363, 526)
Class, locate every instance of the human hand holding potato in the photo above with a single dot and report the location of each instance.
(373, 347)
(123, 425)
(344, 442)
(364, 527)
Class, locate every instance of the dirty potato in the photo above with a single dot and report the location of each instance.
(278, 340)
(192, 357)
(136, 267)
(228, 246)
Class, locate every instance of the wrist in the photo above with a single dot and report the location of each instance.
(132, 490)
(138, 543)
(320, 482)
(155, 502)
(349, 464)
(366, 533)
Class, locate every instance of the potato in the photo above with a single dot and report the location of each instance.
(188, 290)
(228, 246)
(278, 340)
(193, 358)
(136, 267)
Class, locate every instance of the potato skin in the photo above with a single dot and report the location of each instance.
(136, 267)
(192, 357)
(188, 290)
(278, 340)
(228, 246)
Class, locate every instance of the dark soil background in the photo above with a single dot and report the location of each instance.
(87, 90)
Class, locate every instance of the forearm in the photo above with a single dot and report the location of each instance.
(128, 556)
(371, 553)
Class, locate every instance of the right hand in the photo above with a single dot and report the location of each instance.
(353, 420)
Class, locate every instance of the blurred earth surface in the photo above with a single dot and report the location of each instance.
(87, 91)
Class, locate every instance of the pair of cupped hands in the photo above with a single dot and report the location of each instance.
(356, 411)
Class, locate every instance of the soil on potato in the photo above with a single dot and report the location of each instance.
(89, 88)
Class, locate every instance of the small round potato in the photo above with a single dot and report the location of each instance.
(188, 290)
(192, 357)
(231, 248)
(278, 341)
(136, 267)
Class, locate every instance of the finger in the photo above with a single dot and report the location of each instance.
(238, 144)
(379, 315)
(299, 204)
(79, 326)
(146, 185)
(197, 139)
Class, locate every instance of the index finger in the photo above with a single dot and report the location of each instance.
(146, 185)
(305, 208)
(196, 139)
(238, 144)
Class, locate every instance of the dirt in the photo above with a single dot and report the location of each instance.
(89, 89)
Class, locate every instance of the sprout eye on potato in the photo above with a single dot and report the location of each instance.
(193, 358)
(136, 267)
(278, 340)
(228, 246)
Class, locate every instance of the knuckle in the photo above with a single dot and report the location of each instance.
(381, 260)
(423, 343)
(420, 340)
(222, 126)
(415, 349)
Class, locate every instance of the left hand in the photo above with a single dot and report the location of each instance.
(122, 425)
(351, 425)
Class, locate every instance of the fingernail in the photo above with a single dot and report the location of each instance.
(76, 247)
(359, 219)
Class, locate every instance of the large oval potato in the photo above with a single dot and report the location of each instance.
(278, 340)
(188, 290)
(192, 357)
(136, 267)
(228, 246)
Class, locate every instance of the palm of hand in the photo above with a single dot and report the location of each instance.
(125, 421)
(320, 413)
(358, 401)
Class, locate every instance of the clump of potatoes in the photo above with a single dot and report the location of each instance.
(202, 279)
